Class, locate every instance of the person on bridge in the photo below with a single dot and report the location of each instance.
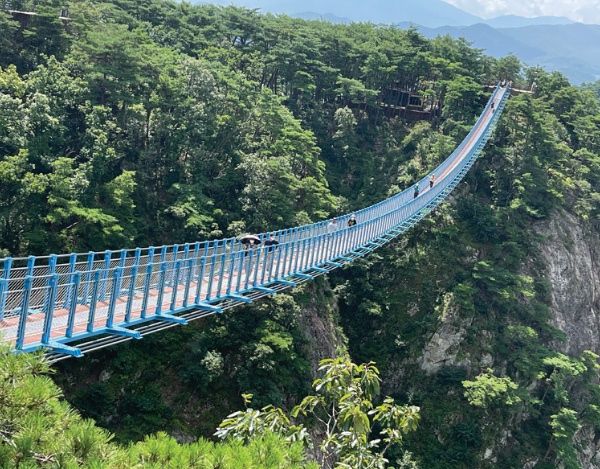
(431, 180)
(352, 221)
(271, 243)
(333, 226)
(416, 190)
(248, 247)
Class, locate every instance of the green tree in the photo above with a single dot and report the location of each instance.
(487, 390)
(564, 426)
(508, 68)
(8, 43)
(39, 429)
(45, 35)
(344, 409)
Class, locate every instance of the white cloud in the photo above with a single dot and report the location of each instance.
(585, 11)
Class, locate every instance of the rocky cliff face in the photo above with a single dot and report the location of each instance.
(571, 252)
(443, 347)
(324, 338)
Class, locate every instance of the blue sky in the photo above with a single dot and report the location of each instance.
(584, 11)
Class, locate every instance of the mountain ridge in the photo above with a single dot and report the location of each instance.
(532, 40)
(576, 55)
(429, 13)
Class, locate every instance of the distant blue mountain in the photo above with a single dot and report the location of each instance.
(513, 21)
(576, 53)
(493, 42)
(312, 16)
(573, 49)
(429, 13)
(432, 13)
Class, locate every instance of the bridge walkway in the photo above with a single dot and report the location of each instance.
(101, 298)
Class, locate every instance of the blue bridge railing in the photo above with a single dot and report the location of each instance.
(100, 298)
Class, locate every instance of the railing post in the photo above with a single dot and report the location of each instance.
(30, 266)
(257, 265)
(89, 268)
(248, 269)
(320, 249)
(239, 262)
(188, 281)
(269, 252)
(161, 287)
(151, 250)
(53, 286)
(211, 274)
(4, 285)
(147, 282)
(241, 269)
(313, 251)
(297, 256)
(3, 293)
(222, 261)
(323, 256)
(174, 255)
(110, 317)
(175, 285)
(280, 254)
(272, 263)
(50, 273)
(93, 301)
(105, 269)
(24, 309)
(163, 254)
(232, 258)
(132, 284)
(185, 263)
(73, 304)
(305, 258)
(200, 280)
(196, 259)
(288, 266)
(122, 265)
(72, 268)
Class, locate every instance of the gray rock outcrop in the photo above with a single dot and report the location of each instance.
(571, 252)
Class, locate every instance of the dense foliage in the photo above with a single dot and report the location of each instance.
(344, 413)
(150, 122)
(38, 429)
(174, 122)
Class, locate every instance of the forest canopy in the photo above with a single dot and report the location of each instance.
(136, 123)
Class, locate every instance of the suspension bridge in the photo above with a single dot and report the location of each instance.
(70, 304)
